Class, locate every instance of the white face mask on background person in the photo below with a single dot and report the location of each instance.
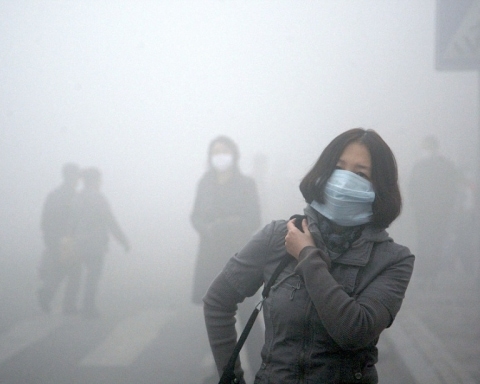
(348, 199)
(222, 161)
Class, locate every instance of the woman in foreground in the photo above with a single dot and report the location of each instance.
(346, 280)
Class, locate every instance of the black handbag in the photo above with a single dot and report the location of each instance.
(228, 376)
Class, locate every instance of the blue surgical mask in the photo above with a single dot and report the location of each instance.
(222, 161)
(348, 199)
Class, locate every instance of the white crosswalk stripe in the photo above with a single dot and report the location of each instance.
(26, 333)
(128, 339)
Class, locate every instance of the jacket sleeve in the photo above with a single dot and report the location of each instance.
(117, 232)
(354, 322)
(241, 277)
(220, 306)
(113, 225)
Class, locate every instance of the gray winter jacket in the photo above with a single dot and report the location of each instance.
(322, 322)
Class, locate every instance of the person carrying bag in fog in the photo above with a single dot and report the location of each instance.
(344, 284)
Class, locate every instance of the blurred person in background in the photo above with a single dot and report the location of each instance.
(465, 224)
(92, 224)
(346, 279)
(433, 192)
(56, 218)
(226, 213)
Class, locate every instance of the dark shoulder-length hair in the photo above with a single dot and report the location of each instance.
(228, 142)
(388, 202)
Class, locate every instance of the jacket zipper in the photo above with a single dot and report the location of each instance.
(301, 361)
(294, 289)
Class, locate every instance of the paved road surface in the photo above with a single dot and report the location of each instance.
(156, 336)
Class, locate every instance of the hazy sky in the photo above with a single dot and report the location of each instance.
(139, 88)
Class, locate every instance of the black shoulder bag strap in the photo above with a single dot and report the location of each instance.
(228, 376)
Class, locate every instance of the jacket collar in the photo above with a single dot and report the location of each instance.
(360, 251)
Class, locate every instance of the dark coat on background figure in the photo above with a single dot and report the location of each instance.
(225, 217)
(93, 222)
(433, 189)
(55, 225)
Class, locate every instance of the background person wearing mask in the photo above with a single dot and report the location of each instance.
(433, 192)
(226, 213)
(345, 282)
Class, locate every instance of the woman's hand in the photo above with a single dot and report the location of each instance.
(296, 240)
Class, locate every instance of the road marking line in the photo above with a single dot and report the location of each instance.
(27, 332)
(128, 339)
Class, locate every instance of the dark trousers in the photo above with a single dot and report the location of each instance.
(53, 271)
(92, 261)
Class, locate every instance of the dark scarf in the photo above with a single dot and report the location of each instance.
(338, 241)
